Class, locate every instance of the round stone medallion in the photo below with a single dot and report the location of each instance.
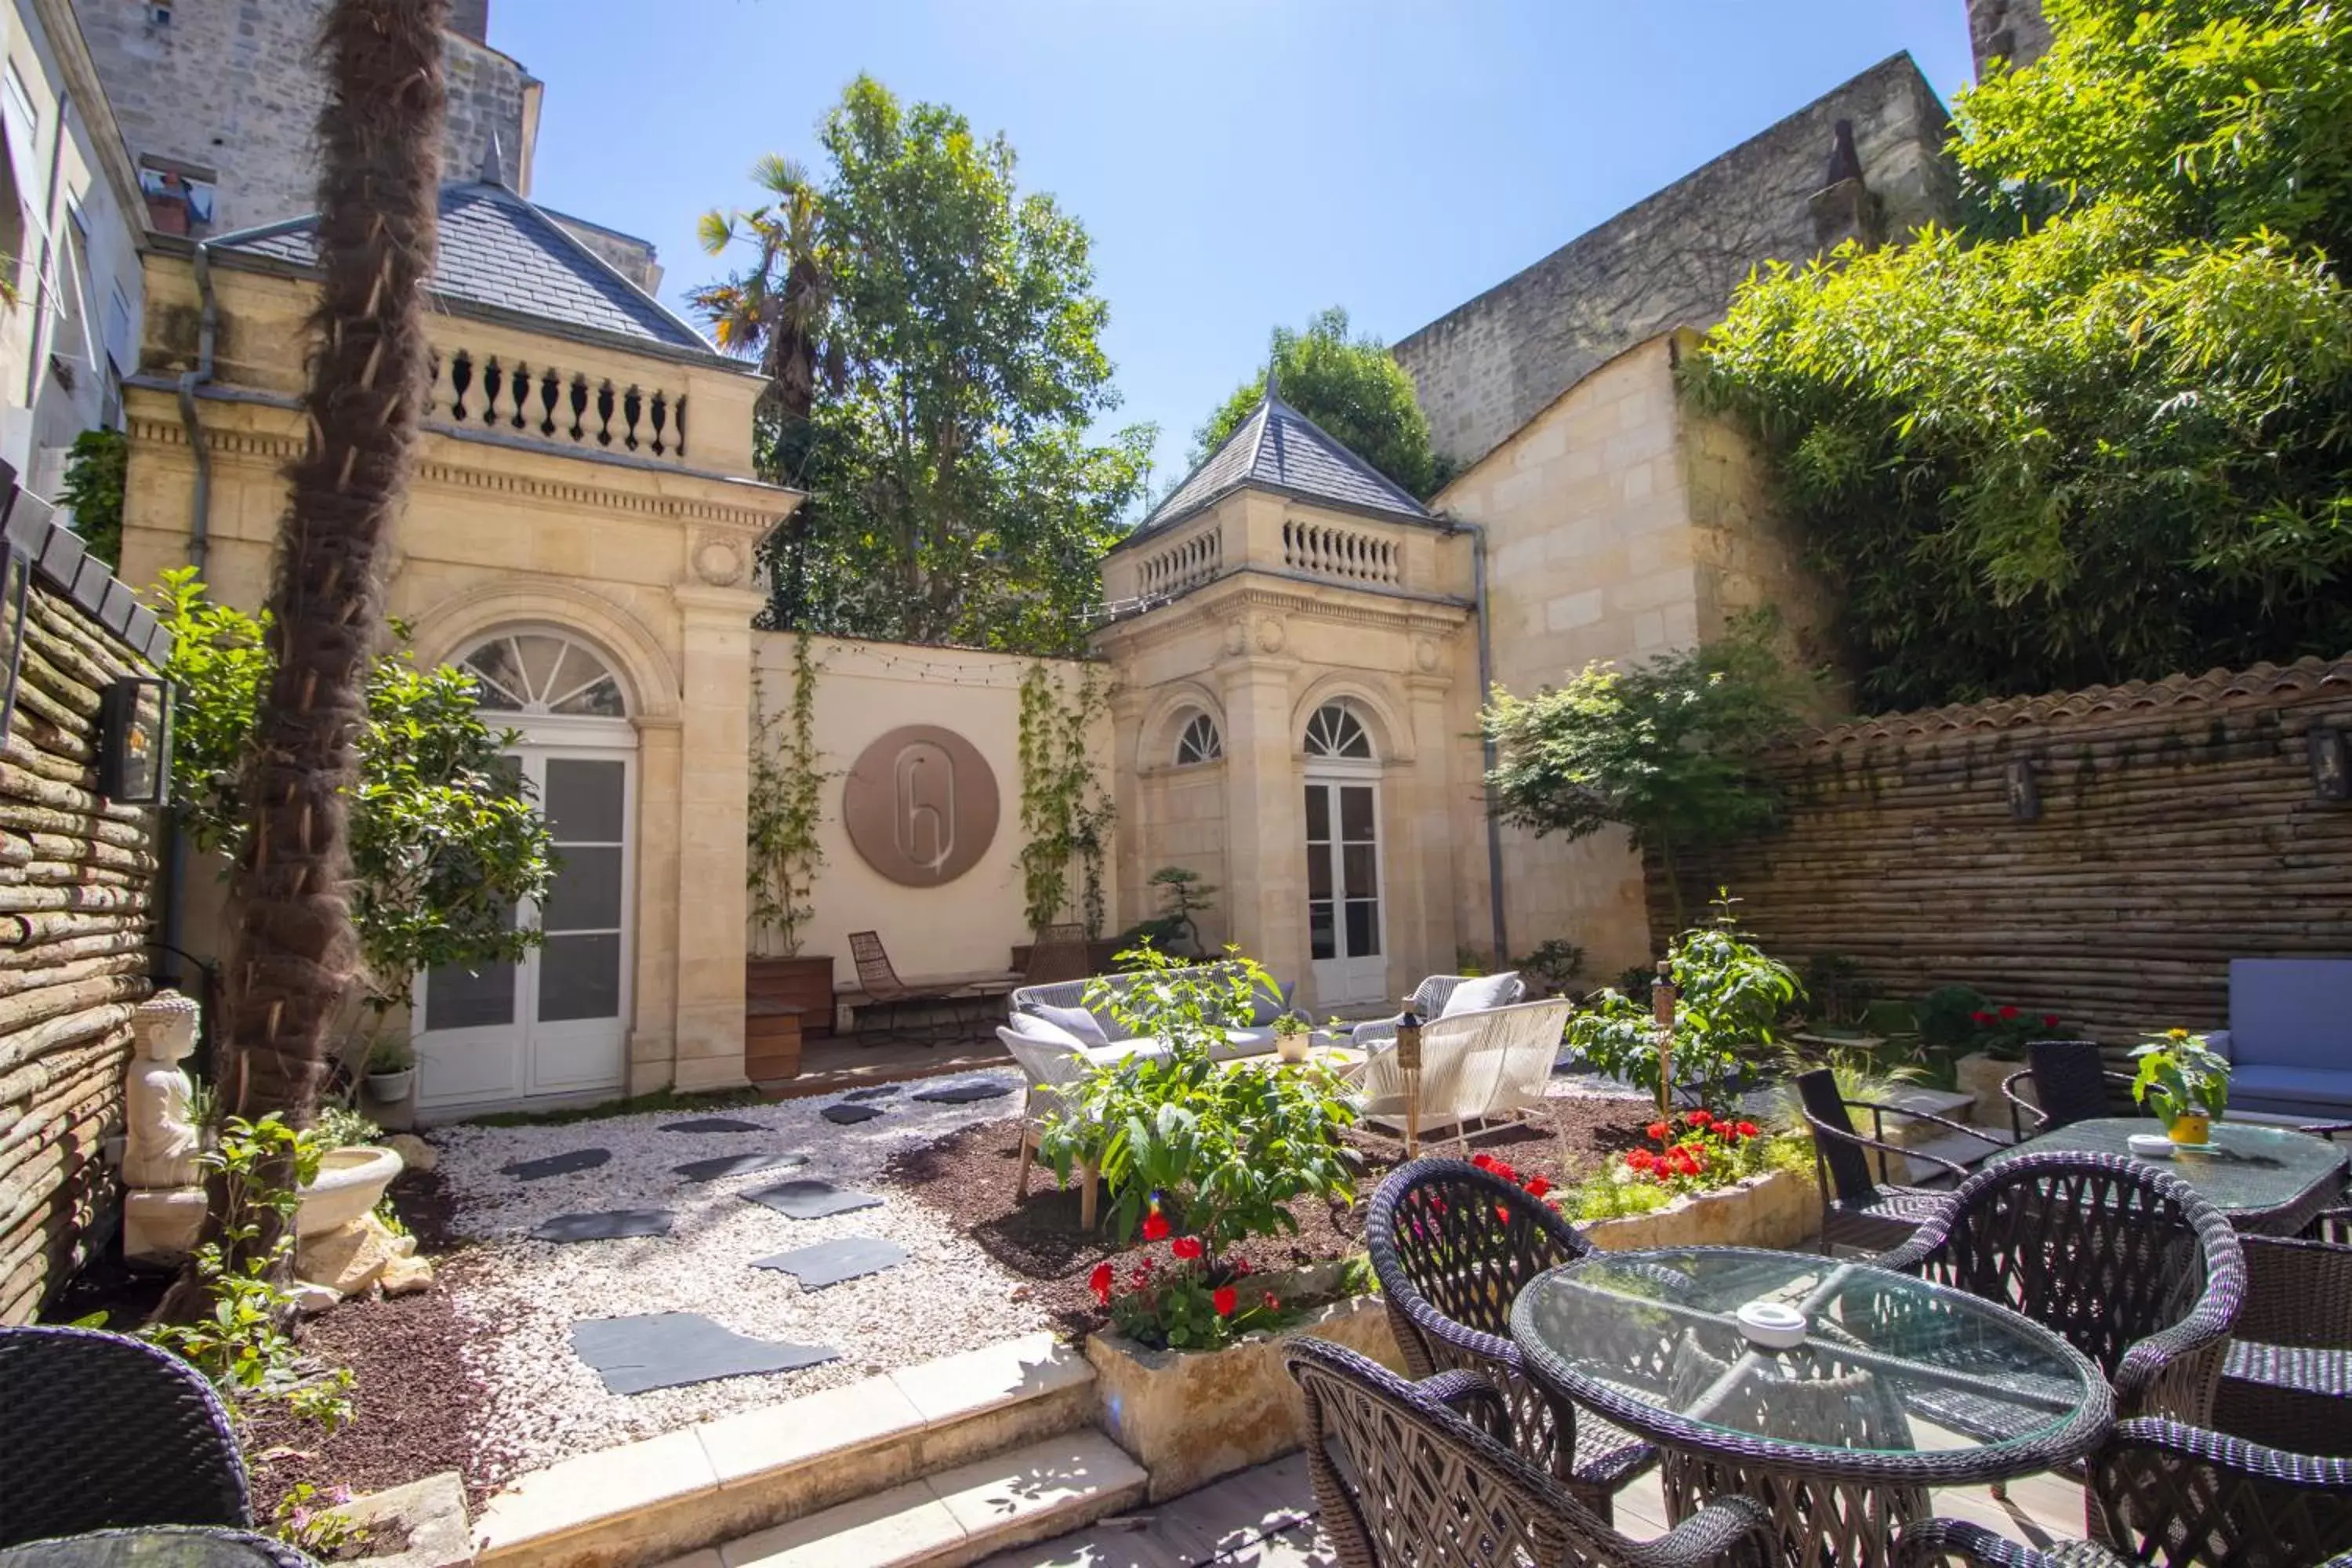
(921, 805)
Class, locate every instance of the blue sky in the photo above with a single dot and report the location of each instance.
(1238, 162)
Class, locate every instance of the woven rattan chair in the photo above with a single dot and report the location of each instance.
(1453, 1246)
(1426, 1003)
(2124, 1262)
(2071, 1083)
(158, 1546)
(2288, 1379)
(2178, 1497)
(1422, 1486)
(1857, 1209)
(884, 989)
(1058, 954)
(100, 1431)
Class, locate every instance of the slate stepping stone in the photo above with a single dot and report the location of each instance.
(831, 1262)
(561, 1164)
(966, 1093)
(712, 1125)
(604, 1225)
(737, 1165)
(878, 1092)
(811, 1199)
(850, 1115)
(666, 1350)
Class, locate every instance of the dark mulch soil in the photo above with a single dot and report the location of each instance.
(968, 1178)
(417, 1403)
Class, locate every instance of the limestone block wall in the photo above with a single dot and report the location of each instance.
(2013, 30)
(74, 913)
(1487, 368)
(232, 88)
(864, 690)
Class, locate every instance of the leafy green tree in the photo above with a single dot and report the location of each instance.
(954, 494)
(1353, 389)
(1664, 750)
(96, 468)
(444, 840)
(2099, 434)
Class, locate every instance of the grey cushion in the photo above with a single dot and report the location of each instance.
(1481, 993)
(1076, 1022)
(1266, 1005)
(2291, 1012)
(2325, 1094)
(1029, 1025)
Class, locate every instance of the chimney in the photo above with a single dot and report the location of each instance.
(1844, 207)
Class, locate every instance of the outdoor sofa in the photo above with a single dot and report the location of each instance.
(1064, 1007)
(2289, 1042)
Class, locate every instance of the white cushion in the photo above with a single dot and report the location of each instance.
(1481, 993)
(1076, 1022)
(1030, 1026)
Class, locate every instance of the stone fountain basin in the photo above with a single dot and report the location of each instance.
(350, 1183)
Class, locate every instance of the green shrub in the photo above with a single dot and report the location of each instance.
(1552, 967)
(1946, 1015)
(1730, 996)
(1840, 993)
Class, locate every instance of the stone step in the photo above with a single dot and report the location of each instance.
(955, 1517)
(647, 1502)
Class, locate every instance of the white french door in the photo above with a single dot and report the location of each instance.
(555, 1022)
(1344, 926)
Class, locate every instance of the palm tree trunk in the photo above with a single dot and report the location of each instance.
(293, 955)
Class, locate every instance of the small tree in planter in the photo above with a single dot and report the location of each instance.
(1220, 1150)
(2187, 1082)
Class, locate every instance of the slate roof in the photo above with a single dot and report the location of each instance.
(1280, 448)
(501, 250)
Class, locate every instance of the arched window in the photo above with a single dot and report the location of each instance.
(543, 673)
(1200, 742)
(1334, 731)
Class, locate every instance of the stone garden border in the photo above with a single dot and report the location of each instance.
(1776, 1209)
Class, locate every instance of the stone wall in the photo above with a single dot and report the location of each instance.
(231, 87)
(74, 874)
(1495, 363)
(2013, 30)
(2179, 826)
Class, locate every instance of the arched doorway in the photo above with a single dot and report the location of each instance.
(1345, 936)
(555, 1023)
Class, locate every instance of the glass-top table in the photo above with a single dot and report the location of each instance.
(2269, 1180)
(1897, 1386)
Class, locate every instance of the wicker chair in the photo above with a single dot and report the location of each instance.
(161, 1546)
(2125, 1263)
(1426, 1003)
(2071, 1084)
(1453, 1246)
(2179, 1497)
(1857, 1210)
(1422, 1486)
(1059, 954)
(884, 989)
(2288, 1379)
(101, 1431)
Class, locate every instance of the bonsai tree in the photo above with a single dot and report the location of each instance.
(1665, 749)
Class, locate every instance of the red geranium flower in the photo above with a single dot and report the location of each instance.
(1537, 1186)
(1980, 1017)
(1140, 1277)
(1225, 1298)
(1483, 1160)
(1099, 1282)
(1658, 1130)
(2049, 1020)
(1745, 1129)
(1155, 1226)
(1272, 1305)
(1241, 1267)
(1700, 1119)
(1186, 1247)
(2007, 1014)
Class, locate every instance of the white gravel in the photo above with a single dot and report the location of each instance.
(521, 1297)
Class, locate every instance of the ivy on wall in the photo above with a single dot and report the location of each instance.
(1065, 813)
(784, 807)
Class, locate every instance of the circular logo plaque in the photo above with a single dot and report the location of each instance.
(921, 805)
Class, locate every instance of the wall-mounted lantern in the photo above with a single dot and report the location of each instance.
(15, 593)
(2024, 791)
(2331, 764)
(135, 748)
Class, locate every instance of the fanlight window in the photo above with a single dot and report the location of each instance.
(540, 672)
(1200, 742)
(1334, 731)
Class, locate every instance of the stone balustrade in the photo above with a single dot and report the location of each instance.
(1187, 564)
(561, 408)
(1349, 554)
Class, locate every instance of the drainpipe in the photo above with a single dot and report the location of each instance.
(1477, 534)
(200, 506)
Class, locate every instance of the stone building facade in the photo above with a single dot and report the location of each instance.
(1487, 368)
(2011, 30)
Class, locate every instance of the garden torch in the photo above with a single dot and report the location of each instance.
(1408, 1054)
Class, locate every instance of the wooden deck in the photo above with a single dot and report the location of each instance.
(831, 1063)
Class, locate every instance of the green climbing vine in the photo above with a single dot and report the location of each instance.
(1065, 813)
(784, 805)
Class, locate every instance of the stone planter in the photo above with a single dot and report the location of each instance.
(1189, 1416)
(1777, 1209)
(1980, 1076)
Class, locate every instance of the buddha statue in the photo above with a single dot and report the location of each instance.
(164, 1207)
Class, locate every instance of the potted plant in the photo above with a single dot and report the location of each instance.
(1293, 1036)
(390, 1070)
(791, 991)
(2189, 1083)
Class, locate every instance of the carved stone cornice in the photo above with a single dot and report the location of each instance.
(1249, 596)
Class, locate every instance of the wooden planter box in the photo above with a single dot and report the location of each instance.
(802, 982)
(1189, 1416)
(1777, 1209)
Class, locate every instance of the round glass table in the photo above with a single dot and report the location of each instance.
(2268, 1180)
(1896, 1385)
